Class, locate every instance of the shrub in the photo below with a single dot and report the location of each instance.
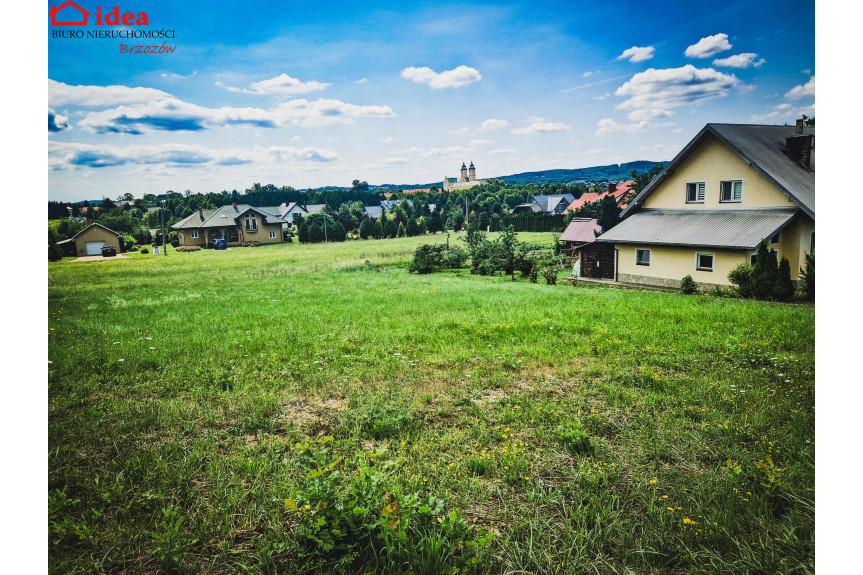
(185, 249)
(54, 254)
(534, 273)
(145, 251)
(807, 277)
(252, 244)
(401, 231)
(549, 272)
(765, 274)
(740, 277)
(784, 288)
(688, 286)
(367, 229)
(428, 258)
(455, 258)
(320, 227)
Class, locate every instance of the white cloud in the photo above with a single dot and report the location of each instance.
(587, 74)
(450, 152)
(363, 81)
(178, 76)
(653, 93)
(66, 155)
(707, 47)
(280, 85)
(637, 54)
(171, 114)
(802, 91)
(57, 122)
(60, 94)
(389, 162)
(479, 142)
(744, 60)
(456, 78)
(503, 151)
(608, 126)
(540, 126)
(387, 140)
(493, 124)
(461, 132)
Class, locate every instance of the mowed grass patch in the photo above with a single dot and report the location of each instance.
(565, 429)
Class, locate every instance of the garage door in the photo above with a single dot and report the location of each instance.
(95, 248)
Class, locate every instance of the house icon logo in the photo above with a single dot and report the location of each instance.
(71, 11)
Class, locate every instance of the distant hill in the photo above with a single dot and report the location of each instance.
(613, 172)
(596, 174)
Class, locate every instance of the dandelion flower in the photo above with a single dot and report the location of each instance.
(653, 482)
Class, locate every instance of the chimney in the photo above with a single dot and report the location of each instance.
(234, 203)
(201, 213)
(798, 128)
(612, 187)
(800, 148)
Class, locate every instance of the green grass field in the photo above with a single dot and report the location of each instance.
(317, 409)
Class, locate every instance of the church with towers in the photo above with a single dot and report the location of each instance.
(463, 182)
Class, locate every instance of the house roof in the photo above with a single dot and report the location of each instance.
(580, 230)
(373, 211)
(314, 208)
(527, 207)
(227, 216)
(763, 148)
(549, 203)
(741, 229)
(93, 226)
(622, 189)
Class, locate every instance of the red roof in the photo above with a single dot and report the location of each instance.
(581, 231)
(621, 189)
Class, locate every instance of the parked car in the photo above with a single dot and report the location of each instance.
(109, 251)
(219, 244)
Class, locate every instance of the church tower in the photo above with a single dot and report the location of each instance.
(463, 177)
(472, 177)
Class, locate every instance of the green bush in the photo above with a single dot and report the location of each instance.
(145, 251)
(740, 277)
(319, 227)
(688, 285)
(549, 272)
(784, 288)
(765, 274)
(428, 258)
(807, 277)
(455, 258)
(574, 437)
(186, 249)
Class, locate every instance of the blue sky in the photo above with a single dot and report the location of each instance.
(310, 94)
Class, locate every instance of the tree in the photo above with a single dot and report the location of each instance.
(609, 213)
(367, 229)
(319, 227)
(401, 232)
(641, 181)
(807, 277)
(784, 288)
(412, 228)
(390, 228)
(379, 229)
(764, 273)
(358, 186)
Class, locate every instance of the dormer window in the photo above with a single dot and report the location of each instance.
(696, 192)
(731, 191)
(251, 223)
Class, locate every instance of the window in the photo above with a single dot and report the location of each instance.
(752, 257)
(812, 244)
(695, 192)
(704, 262)
(194, 234)
(232, 235)
(775, 238)
(251, 223)
(731, 191)
(642, 257)
(272, 235)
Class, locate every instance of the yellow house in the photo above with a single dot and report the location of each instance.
(731, 187)
(90, 241)
(236, 224)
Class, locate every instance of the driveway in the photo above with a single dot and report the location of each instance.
(101, 259)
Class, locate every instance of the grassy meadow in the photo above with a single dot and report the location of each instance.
(317, 409)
